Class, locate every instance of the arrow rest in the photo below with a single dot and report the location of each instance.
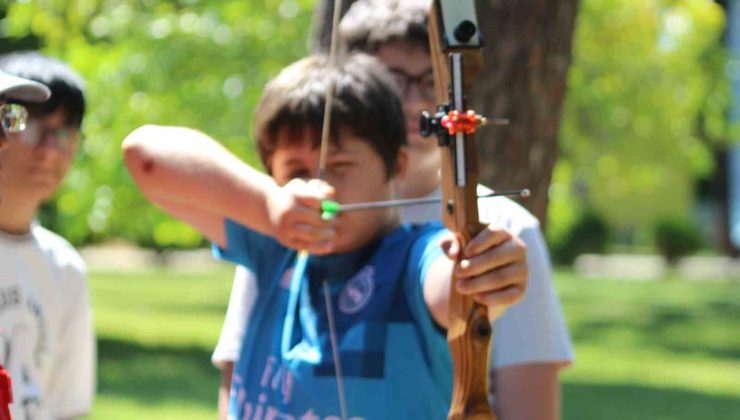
(430, 125)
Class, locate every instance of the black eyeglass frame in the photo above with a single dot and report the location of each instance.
(425, 87)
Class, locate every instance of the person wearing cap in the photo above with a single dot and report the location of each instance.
(13, 116)
(13, 119)
(46, 332)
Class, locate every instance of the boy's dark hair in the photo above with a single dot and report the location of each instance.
(67, 87)
(365, 103)
(370, 24)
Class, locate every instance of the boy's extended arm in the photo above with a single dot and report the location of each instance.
(528, 391)
(493, 268)
(194, 178)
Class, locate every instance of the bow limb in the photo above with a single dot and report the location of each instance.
(456, 58)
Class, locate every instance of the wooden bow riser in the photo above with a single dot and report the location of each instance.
(469, 332)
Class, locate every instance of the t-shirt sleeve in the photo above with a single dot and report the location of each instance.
(243, 296)
(423, 253)
(248, 248)
(72, 384)
(533, 330)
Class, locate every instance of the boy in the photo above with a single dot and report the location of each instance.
(389, 284)
(45, 321)
(531, 340)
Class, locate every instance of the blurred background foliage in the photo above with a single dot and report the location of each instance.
(645, 109)
(195, 63)
(644, 114)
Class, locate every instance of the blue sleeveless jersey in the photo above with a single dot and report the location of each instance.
(395, 360)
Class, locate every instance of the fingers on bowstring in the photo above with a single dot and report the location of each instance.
(321, 189)
(309, 216)
(310, 193)
(311, 238)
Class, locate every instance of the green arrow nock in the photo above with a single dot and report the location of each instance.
(329, 209)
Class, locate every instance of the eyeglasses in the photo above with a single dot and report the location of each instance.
(35, 133)
(13, 117)
(424, 82)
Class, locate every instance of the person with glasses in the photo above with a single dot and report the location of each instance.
(531, 341)
(13, 119)
(46, 328)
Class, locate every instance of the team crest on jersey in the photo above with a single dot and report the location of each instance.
(358, 291)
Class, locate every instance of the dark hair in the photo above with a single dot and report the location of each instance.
(370, 24)
(365, 103)
(67, 87)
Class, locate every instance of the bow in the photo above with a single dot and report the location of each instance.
(455, 49)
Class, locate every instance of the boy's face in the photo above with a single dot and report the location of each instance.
(356, 172)
(35, 161)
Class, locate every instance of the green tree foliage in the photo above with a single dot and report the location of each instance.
(197, 63)
(645, 106)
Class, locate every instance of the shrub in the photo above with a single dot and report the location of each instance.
(590, 234)
(676, 238)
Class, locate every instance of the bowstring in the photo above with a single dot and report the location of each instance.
(323, 152)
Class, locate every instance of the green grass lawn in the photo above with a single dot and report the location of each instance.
(645, 350)
(156, 331)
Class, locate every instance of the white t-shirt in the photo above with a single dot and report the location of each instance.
(532, 331)
(46, 326)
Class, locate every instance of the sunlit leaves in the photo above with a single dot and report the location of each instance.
(645, 104)
(197, 63)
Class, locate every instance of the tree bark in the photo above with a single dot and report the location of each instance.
(322, 23)
(527, 56)
(528, 49)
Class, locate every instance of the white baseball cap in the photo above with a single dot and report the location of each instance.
(22, 89)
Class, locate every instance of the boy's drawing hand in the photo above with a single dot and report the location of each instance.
(295, 213)
(493, 267)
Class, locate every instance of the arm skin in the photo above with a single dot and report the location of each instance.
(224, 389)
(528, 392)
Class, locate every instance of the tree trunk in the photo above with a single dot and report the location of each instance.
(322, 22)
(527, 54)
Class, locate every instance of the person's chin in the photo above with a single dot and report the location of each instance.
(343, 246)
